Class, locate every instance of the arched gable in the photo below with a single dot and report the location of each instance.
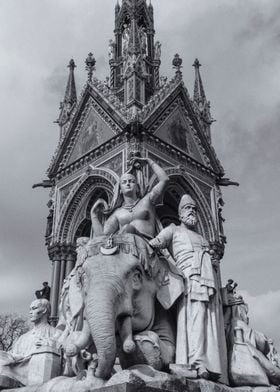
(75, 208)
(181, 183)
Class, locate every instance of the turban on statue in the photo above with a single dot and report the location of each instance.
(185, 200)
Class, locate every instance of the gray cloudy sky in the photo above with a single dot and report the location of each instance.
(238, 44)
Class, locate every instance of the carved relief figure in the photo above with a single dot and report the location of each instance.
(143, 40)
(125, 39)
(157, 50)
(111, 49)
(91, 137)
(200, 332)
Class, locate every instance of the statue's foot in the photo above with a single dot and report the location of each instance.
(129, 346)
(181, 370)
(203, 373)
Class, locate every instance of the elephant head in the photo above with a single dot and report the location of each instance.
(120, 281)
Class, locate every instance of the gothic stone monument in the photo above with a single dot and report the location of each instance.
(135, 233)
(136, 111)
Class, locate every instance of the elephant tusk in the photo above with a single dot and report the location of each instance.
(109, 251)
(109, 248)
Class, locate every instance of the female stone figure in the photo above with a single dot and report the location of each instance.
(131, 212)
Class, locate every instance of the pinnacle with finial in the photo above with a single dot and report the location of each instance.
(70, 92)
(90, 66)
(177, 64)
(71, 65)
(198, 93)
(196, 63)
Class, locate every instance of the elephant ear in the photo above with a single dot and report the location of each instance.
(171, 285)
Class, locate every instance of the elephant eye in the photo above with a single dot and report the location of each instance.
(137, 276)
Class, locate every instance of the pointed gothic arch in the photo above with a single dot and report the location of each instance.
(181, 183)
(95, 184)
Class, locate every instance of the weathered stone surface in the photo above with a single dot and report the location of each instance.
(168, 384)
(43, 367)
(182, 371)
(146, 375)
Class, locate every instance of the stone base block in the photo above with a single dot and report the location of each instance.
(66, 384)
(43, 367)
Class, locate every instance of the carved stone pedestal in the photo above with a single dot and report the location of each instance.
(43, 366)
(135, 384)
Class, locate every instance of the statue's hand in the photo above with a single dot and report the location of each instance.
(137, 162)
(99, 206)
(155, 243)
(44, 342)
(39, 343)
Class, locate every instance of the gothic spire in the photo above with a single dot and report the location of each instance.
(117, 7)
(134, 44)
(199, 97)
(70, 94)
(69, 101)
(198, 93)
(133, 50)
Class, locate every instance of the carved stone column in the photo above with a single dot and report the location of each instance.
(63, 258)
(71, 259)
(62, 271)
(55, 256)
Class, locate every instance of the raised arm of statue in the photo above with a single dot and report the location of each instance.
(97, 217)
(164, 238)
(162, 177)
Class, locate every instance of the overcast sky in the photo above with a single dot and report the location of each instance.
(238, 44)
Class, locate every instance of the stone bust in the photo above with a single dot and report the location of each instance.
(15, 365)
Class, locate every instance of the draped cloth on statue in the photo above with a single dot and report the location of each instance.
(200, 327)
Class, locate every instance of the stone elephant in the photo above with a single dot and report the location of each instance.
(118, 302)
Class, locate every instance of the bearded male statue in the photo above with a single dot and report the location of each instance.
(201, 344)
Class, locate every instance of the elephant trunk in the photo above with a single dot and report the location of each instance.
(101, 315)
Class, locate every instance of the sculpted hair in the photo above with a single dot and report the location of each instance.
(118, 199)
(44, 303)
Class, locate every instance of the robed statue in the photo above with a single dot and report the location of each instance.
(201, 342)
